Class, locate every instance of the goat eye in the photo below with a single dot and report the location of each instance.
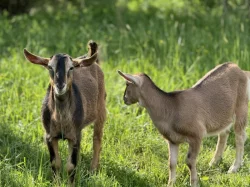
(71, 68)
(51, 72)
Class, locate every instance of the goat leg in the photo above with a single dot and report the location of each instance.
(240, 139)
(220, 147)
(240, 136)
(194, 148)
(173, 157)
(54, 155)
(74, 149)
(97, 141)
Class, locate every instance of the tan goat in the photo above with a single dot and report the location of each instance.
(75, 97)
(208, 108)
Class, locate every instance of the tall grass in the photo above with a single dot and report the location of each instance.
(174, 52)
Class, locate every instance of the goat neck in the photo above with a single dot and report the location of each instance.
(157, 102)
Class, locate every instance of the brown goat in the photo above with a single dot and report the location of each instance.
(75, 97)
(208, 108)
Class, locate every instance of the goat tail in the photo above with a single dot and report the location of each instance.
(248, 83)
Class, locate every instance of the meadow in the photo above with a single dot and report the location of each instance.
(175, 51)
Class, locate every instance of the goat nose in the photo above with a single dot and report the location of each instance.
(60, 86)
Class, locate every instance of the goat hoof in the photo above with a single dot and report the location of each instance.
(170, 184)
(232, 169)
(214, 162)
(94, 166)
(71, 184)
(92, 170)
(194, 185)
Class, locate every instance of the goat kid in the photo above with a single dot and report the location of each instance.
(75, 97)
(208, 108)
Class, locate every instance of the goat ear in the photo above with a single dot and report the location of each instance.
(35, 59)
(92, 47)
(134, 79)
(86, 61)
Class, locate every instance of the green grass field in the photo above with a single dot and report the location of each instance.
(174, 51)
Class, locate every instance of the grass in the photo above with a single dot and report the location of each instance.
(174, 51)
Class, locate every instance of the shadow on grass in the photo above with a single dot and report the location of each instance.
(125, 176)
(20, 157)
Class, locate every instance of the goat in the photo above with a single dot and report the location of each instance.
(75, 97)
(208, 108)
